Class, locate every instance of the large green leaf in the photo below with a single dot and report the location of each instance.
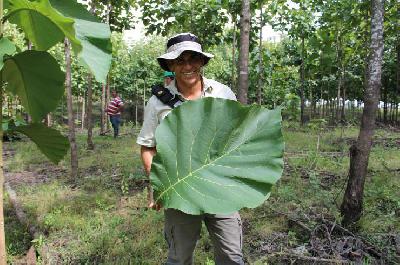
(36, 78)
(217, 156)
(6, 47)
(94, 49)
(46, 22)
(42, 24)
(50, 141)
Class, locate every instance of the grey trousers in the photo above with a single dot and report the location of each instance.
(183, 230)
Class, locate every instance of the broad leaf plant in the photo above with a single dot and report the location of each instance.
(217, 156)
(35, 77)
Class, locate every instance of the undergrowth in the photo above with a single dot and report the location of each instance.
(101, 217)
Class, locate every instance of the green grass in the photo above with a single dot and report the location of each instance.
(101, 218)
(18, 240)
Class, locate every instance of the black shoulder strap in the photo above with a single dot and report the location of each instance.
(165, 96)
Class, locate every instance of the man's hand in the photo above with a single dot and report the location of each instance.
(150, 199)
(147, 154)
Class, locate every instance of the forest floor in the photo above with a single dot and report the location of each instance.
(101, 218)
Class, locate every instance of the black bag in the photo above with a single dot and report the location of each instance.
(165, 96)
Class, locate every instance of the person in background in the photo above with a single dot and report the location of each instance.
(168, 77)
(186, 58)
(114, 109)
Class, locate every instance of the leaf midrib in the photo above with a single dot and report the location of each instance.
(24, 84)
(200, 168)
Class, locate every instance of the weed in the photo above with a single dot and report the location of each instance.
(100, 221)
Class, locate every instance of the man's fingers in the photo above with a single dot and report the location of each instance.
(154, 206)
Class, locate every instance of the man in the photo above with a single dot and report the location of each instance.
(114, 110)
(185, 57)
(168, 77)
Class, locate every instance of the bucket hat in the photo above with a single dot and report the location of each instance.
(180, 43)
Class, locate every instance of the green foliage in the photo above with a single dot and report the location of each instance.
(36, 78)
(291, 106)
(17, 239)
(222, 159)
(220, 67)
(117, 13)
(6, 48)
(49, 140)
(167, 17)
(41, 23)
(52, 20)
(91, 41)
(317, 124)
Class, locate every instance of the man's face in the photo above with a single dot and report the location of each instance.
(187, 68)
(114, 94)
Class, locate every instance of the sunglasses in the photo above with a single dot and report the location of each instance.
(194, 58)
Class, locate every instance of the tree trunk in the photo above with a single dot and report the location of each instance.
(71, 123)
(77, 103)
(396, 99)
(352, 205)
(234, 68)
(385, 102)
(49, 120)
(392, 113)
(244, 52)
(136, 104)
(9, 106)
(260, 60)
(311, 108)
(107, 100)
(103, 107)
(3, 258)
(339, 87)
(343, 114)
(89, 122)
(339, 62)
(144, 96)
(83, 114)
(302, 81)
(89, 103)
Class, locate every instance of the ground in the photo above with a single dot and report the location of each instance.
(101, 218)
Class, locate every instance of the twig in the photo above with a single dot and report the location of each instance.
(307, 153)
(307, 258)
(294, 220)
(373, 250)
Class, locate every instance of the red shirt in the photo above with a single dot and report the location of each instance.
(114, 106)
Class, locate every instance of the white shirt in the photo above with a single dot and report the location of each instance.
(155, 111)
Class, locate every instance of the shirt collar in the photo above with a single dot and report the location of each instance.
(207, 88)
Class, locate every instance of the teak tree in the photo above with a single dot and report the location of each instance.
(352, 205)
(243, 80)
(35, 77)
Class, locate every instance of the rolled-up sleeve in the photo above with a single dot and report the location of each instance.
(146, 136)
